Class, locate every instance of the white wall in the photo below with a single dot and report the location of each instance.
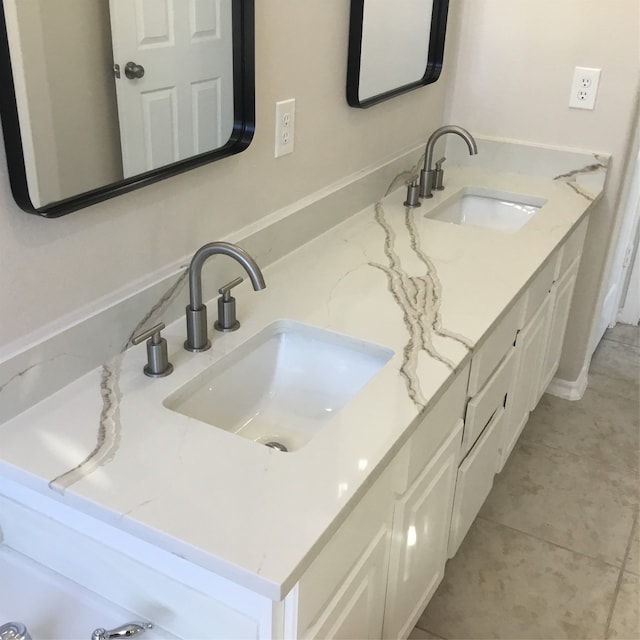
(513, 71)
(49, 268)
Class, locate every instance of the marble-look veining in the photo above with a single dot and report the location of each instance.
(437, 291)
(571, 178)
(418, 297)
(109, 428)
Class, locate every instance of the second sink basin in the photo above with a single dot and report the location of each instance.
(505, 212)
(282, 385)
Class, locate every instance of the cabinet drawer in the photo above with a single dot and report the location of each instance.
(433, 430)
(475, 479)
(362, 533)
(539, 289)
(492, 397)
(494, 348)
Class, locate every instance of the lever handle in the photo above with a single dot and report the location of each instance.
(227, 320)
(438, 175)
(225, 290)
(158, 365)
(153, 334)
(125, 631)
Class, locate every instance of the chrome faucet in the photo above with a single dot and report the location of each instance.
(197, 338)
(14, 631)
(427, 175)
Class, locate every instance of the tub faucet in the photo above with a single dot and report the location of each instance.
(197, 339)
(427, 174)
(14, 631)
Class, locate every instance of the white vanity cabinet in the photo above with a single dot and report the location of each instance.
(342, 593)
(372, 575)
(539, 343)
(490, 380)
(425, 484)
(379, 570)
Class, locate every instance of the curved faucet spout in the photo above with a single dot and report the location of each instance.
(426, 175)
(226, 249)
(196, 313)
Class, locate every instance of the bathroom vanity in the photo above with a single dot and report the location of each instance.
(209, 534)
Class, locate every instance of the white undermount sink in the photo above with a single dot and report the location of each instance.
(282, 385)
(488, 209)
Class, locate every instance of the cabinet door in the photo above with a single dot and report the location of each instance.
(357, 608)
(420, 534)
(474, 482)
(530, 349)
(560, 315)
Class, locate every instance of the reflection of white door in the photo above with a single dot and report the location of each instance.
(183, 104)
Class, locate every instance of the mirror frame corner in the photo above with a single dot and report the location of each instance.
(241, 136)
(434, 61)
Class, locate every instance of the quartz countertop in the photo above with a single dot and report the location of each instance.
(428, 290)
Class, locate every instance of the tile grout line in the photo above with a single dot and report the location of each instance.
(435, 635)
(625, 470)
(620, 578)
(627, 344)
(554, 544)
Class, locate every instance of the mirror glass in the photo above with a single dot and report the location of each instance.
(110, 95)
(394, 47)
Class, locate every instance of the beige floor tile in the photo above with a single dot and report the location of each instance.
(615, 368)
(625, 622)
(572, 501)
(419, 634)
(625, 333)
(505, 584)
(603, 426)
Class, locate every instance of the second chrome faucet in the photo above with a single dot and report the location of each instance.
(197, 336)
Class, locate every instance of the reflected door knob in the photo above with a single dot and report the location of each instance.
(133, 70)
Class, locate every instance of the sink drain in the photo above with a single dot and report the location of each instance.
(276, 445)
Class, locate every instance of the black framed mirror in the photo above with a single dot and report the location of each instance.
(100, 97)
(394, 47)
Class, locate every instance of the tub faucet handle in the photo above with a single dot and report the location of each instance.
(125, 631)
(14, 631)
(158, 365)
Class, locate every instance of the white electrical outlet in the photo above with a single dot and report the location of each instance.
(584, 88)
(285, 126)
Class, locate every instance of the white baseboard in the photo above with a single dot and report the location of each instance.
(570, 390)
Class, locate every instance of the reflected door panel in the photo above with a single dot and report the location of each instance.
(174, 111)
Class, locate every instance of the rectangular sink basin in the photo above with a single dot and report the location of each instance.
(505, 212)
(282, 385)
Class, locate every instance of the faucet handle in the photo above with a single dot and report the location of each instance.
(438, 175)
(14, 631)
(227, 320)
(225, 290)
(413, 194)
(125, 631)
(158, 365)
